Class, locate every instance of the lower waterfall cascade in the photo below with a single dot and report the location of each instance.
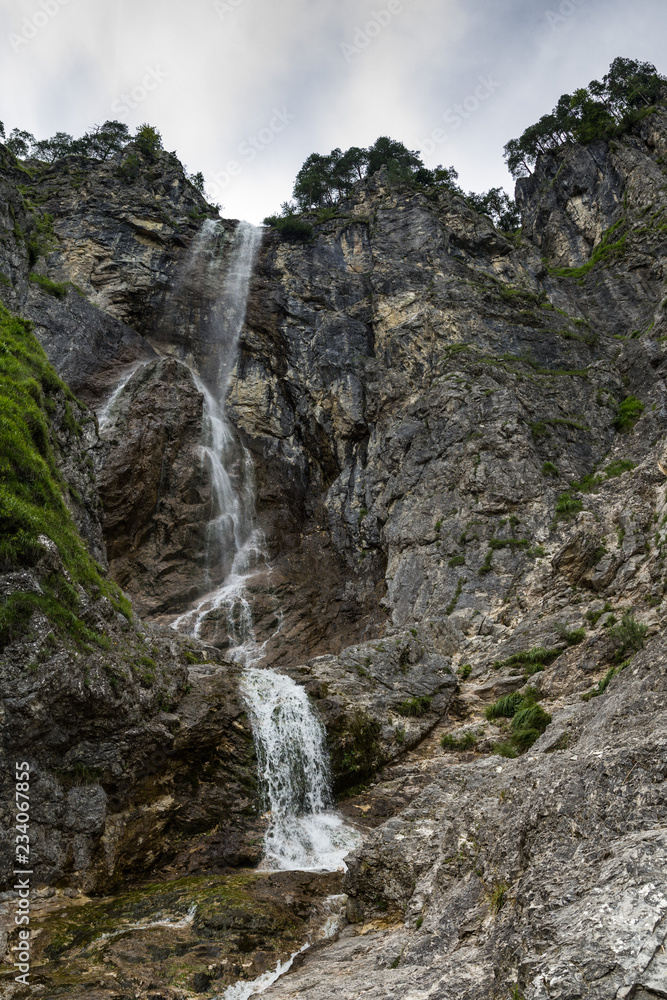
(305, 833)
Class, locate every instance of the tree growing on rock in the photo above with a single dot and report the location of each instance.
(604, 109)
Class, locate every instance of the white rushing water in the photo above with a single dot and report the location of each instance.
(105, 415)
(305, 833)
(235, 545)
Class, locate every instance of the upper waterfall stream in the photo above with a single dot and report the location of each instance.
(305, 833)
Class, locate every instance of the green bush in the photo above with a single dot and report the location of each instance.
(549, 469)
(571, 636)
(465, 671)
(629, 412)
(456, 561)
(628, 636)
(531, 660)
(568, 506)
(290, 227)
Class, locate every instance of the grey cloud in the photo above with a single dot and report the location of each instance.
(223, 68)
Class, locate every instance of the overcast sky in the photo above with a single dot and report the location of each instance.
(260, 84)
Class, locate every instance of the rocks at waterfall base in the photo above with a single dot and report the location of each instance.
(457, 437)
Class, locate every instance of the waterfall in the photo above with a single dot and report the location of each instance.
(305, 833)
(235, 546)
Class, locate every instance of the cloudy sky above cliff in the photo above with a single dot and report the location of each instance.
(257, 85)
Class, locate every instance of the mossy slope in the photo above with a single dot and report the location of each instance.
(33, 401)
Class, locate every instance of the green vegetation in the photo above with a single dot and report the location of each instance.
(568, 506)
(464, 672)
(498, 206)
(571, 636)
(629, 412)
(358, 752)
(59, 291)
(31, 490)
(41, 238)
(531, 661)
(628, 636)
(549, 469)
(594, 616)
(455, 599)
(465, 742)
(603, 110)
(415, 707)
(100, 142)
(618, 467)
(498, 896)
(325, 179)
(529, 720)
(456, 561)
(601, 686)
(291, 227)
(608, 249)
(505, 707)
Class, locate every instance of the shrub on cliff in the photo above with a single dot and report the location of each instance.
(148, 141)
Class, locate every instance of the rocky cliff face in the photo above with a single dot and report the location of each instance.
(457, 439)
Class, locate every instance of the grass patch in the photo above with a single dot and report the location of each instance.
(529, 720)
(32, 488)
(549, 470)
(498, 897)
(568, 506)
(607, 251)
(618, 467)
(601, 686)
(571, 636)
(531, 661)
(415, 707)
(465, 742)
(456, 561)
(594, 616)
(59, 291)
(455, 599)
